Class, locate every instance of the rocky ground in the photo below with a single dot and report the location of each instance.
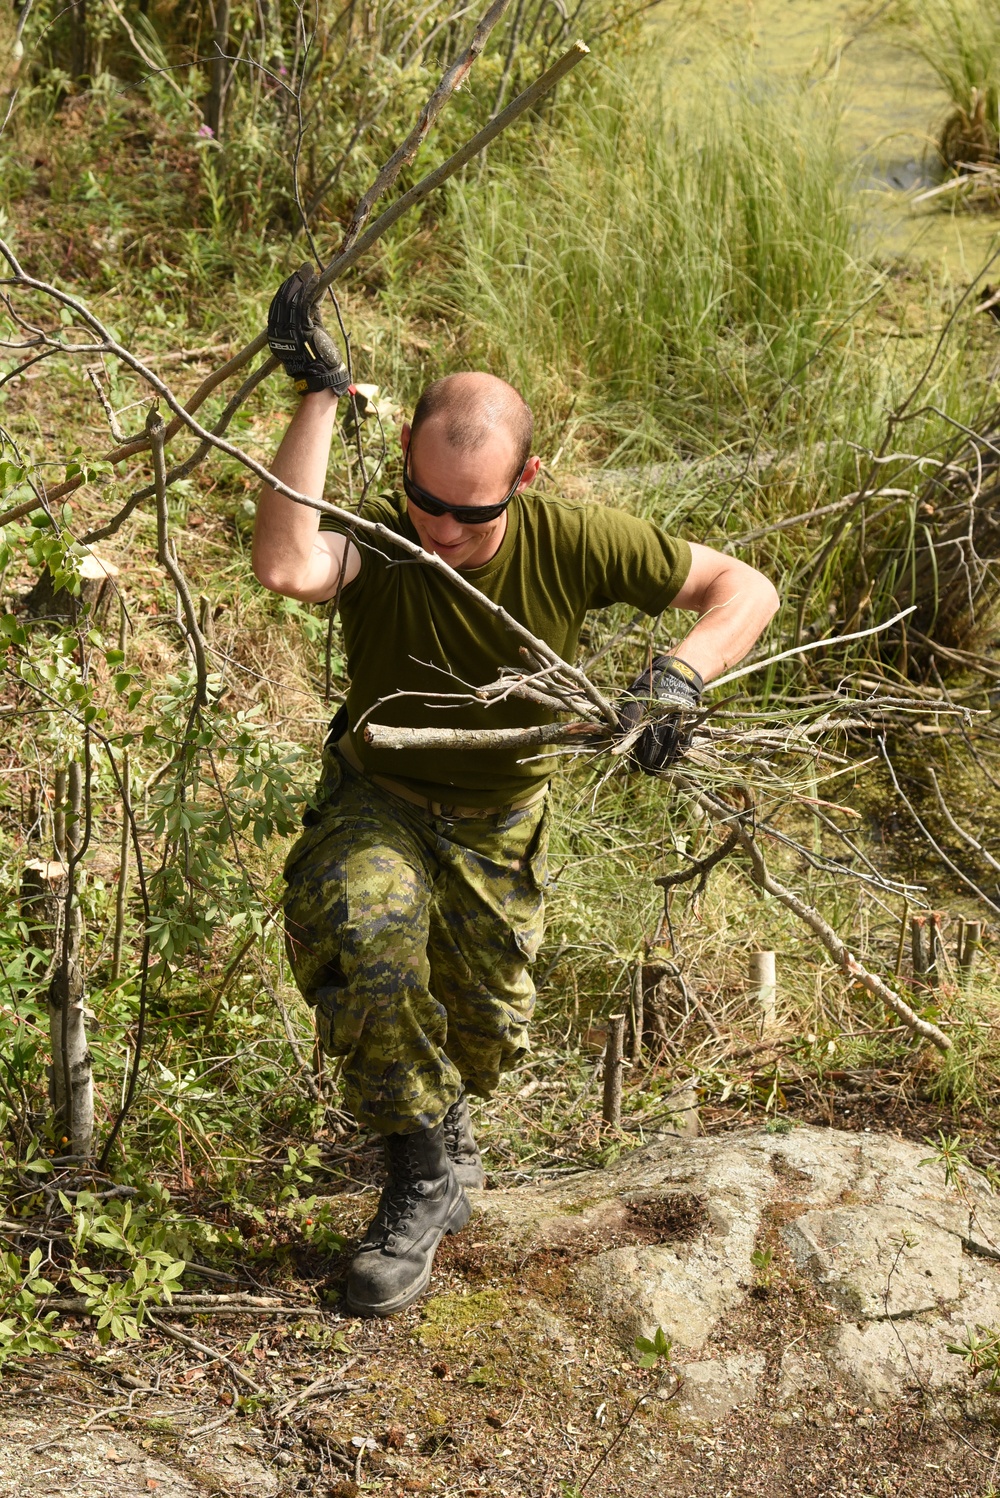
(813, 1283)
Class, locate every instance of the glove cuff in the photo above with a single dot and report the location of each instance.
(672, 665)
(337, 380)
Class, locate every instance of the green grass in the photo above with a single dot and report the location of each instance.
(672, 264)
(960, 40)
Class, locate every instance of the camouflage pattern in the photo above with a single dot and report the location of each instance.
(411, 936)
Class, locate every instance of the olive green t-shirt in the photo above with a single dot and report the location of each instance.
(407, 628)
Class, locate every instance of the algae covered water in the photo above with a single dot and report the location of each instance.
(891, 106)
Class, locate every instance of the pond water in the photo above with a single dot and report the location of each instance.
(893, 108)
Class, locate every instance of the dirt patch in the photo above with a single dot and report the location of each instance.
(674, 1217)
(484, 1253)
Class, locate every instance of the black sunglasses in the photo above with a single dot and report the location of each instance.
(464, 514)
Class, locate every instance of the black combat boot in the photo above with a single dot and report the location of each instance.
(459, 1141)
(421, 1201)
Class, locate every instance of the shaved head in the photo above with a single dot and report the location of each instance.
(470, 407)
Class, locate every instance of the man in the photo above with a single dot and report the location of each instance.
(414, 903)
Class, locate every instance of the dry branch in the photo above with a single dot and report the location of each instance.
(166, 555)
(584, 734)
(452, 79)
(166, 1330)
(742, 828)
(352, 248)
(966, 836)
(931, 840)
(195, 1305)
(574, 679)
(350, 253)
(821, 928)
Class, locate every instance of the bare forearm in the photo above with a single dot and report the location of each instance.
(735, 607)
(285, 555)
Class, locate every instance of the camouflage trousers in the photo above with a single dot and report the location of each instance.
(411, 936)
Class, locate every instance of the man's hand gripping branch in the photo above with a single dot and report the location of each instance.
(290, 553)
(734, 603)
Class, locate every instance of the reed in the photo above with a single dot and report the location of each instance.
(672, 266)
(960, 40)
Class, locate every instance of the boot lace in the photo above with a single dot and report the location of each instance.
(452, 1126)
(457, 1128)
(400, 1198)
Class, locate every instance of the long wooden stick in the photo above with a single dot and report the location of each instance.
(453, 78)
(382, 737)
(547, 80)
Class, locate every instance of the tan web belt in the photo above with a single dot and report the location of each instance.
(436, 808)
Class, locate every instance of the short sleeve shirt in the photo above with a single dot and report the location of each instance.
(407, 629)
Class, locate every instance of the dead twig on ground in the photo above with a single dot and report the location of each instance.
(166, 1330)
(328, 1383)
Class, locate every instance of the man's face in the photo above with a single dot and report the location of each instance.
(482, 477)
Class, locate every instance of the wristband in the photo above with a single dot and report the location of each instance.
(672, 665)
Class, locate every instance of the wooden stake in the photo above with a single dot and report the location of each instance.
(902, 939)
(637, 1016)
(613, 1059)
(42, 888)
(72, 1070)
(206, 618)
(934, 948)
(971, 947)
(683, 1102)
(918, 950)
(764, 988)
(97, 583)
(123, 869)
(59, 816)
(215, 104)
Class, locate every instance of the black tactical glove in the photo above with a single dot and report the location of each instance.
(298, 338)
(668, 681)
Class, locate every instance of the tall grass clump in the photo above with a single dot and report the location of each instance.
(670, 261)
(960, 41)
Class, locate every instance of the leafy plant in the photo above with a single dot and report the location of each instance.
(152, 1273)
(25, 1326)
(654, 1350)
(950, 1153)
(762, 1260)
(298, 1171)
(980, 1352)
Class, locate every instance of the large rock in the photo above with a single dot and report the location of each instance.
(878, 1262)
(715, 1387)
(903, 1263)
